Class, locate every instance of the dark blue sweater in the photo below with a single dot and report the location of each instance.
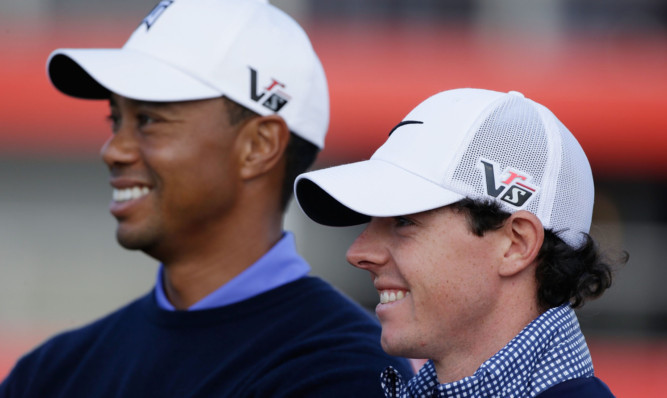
(303, 339)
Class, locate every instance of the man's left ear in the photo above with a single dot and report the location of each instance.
(525, 234)
(264, 140)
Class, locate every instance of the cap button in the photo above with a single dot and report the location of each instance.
(516, 93)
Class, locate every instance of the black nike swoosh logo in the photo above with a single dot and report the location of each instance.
(403, 123)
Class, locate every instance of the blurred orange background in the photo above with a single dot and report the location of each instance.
(601, 67)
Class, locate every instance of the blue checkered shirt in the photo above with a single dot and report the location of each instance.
(550, 350)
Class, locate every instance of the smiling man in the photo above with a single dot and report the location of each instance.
(215, 107)
(478, 207)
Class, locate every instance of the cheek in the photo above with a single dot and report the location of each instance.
(451, 276)
(441, 267)
(190, 162)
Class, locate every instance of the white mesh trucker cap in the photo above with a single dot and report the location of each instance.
(247, 50)
(463, 143)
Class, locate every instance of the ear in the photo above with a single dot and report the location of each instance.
(525, 234)
(263, 142)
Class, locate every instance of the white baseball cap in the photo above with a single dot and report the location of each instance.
(463, 143)
(247, 50)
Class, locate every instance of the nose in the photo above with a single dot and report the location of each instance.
(369, 251)
(120, 149)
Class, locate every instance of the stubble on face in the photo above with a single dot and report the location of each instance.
(182, 152)
(447, 271)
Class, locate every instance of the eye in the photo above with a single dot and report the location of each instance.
(114, 121)
(144, 119)
(402, 221)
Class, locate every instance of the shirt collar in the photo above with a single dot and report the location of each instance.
(279, 266)
(548, 351)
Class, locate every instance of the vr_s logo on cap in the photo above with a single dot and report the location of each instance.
(513, 189)
(276, 99)
(155, 13)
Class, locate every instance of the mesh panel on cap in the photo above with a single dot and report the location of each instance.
(573, 200)
(521, 136)
(511, 136)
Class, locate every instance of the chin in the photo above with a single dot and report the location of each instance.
(134, 241)
(400, 346)
(389, 345)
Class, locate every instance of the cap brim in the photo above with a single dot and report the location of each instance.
(94, 73)
(350, 194)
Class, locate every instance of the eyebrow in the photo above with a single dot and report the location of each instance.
(403, 123)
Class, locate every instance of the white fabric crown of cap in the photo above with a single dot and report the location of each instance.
(246, 50)
(472, 143)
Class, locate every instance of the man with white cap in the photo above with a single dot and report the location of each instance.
(216, 106)
(478, 208)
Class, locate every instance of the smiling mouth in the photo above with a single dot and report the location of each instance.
(390, 296)
(125, 194)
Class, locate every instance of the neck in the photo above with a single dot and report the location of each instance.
(218, 257)
(465, 356)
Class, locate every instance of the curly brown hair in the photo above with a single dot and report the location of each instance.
(564, 274)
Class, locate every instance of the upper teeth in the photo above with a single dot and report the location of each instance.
(387, 296)
(121, 195)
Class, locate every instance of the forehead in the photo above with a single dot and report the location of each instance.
(429, 221)
(439, 214)
(212, 106)
(116, 100)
